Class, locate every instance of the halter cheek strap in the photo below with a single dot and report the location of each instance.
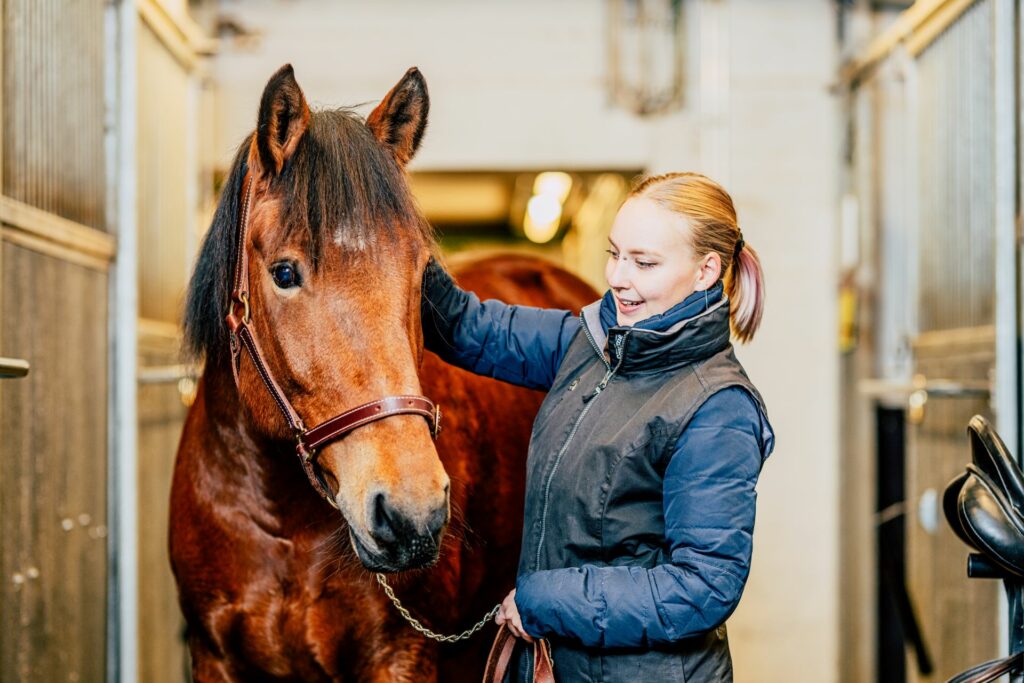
(243, 337)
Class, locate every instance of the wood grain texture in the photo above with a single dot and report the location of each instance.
(53, 471)
(163, 657)
(164, 175)
(956, 317)
(959, 616)
(61, 231)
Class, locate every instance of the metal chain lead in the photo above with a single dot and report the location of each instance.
(418, 626)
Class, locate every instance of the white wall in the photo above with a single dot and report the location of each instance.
(521, 85)
(784, 158)
(512, 85)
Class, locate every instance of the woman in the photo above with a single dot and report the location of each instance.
(645, 453)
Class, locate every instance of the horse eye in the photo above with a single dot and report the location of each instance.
(285, 275)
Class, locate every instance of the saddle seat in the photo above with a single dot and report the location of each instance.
(985, 504)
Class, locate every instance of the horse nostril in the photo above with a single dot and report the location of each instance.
(390, 527)
(437, 521)
(383, 524)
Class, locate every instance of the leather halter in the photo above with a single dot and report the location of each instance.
(307, 440)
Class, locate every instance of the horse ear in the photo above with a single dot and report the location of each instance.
(283, 119)
(400, 119)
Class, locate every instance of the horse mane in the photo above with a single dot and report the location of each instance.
(340, 188)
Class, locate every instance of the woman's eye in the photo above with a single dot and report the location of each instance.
(285, 275)
(645, 264)
(611, 253)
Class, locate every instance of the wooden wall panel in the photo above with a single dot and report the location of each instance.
(165, 216)
(956, 196)
(53, 471)
(162, 653)
(53, 107)
(166, 210)
(959, 615)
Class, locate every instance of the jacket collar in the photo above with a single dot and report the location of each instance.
(694, 304)
(684, 334)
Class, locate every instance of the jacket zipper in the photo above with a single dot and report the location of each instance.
(590, 338)
(619, 344)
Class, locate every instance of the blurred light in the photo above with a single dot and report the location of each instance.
(187, 388)
(543, 215)
(544, 209)
(553, 183)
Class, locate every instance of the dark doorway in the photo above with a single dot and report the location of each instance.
(898, 627)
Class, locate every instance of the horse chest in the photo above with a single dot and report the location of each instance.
(305, 629)
(279, 604)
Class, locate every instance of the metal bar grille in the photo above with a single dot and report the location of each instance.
(53, 108)
(956, 169)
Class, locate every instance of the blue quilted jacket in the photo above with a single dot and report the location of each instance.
(636, 593)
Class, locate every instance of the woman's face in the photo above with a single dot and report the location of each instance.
(651, 265)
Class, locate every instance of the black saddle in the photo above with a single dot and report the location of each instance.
(985, 508)
(985, 505)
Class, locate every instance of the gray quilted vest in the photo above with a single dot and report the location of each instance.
(597, 458)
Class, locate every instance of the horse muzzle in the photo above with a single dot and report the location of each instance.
(399, 541)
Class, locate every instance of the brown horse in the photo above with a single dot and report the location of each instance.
(273, 583)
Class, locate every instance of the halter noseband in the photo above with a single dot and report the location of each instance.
(307, 440)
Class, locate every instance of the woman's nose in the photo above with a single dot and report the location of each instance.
(617, 275)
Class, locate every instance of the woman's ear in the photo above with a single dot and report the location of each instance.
(708, 271)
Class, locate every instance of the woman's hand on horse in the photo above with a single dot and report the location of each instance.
(508, 613)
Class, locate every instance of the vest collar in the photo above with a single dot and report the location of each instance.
(643, 350)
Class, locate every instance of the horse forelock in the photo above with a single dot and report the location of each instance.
(341, 189)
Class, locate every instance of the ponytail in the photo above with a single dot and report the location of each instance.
(744, 285)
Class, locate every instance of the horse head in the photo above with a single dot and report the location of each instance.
(336, 249)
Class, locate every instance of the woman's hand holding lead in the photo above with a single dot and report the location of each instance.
(508, 613)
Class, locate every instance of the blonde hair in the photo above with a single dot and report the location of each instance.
(713, 228)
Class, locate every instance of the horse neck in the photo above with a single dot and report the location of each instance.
(259, 474)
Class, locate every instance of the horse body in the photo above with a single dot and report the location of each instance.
(272, 581)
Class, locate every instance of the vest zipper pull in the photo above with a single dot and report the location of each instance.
(600, 387)
(620, 342)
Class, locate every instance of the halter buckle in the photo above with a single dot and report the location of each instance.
(239, 299)
(300, 446)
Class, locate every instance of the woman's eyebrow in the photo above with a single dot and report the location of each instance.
(636, 252)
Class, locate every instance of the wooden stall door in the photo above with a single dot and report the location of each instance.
(961, 314)
(163, 657)
(55, 254)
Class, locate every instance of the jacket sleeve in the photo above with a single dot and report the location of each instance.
(709, 501)
(518, 344)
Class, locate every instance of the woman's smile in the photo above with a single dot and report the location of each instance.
(628, 307)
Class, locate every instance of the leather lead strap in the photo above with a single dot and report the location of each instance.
(501, 655)
(308, 440)
(990, 670)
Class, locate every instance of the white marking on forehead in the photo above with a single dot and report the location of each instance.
(349, 239)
